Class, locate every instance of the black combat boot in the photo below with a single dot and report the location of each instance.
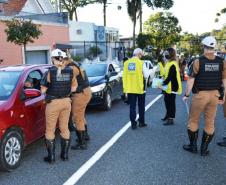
(206, 138)
(81, 144)
(87, 138)
(193, 136)
(50, 146)
(65, 143)
(71, 124)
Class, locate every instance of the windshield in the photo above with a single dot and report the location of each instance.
(8, 81)
(93, 70)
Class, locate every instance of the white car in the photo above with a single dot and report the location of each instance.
(153, 70)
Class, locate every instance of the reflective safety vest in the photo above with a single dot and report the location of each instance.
(161, 69)
(169, 86)
(133, 79)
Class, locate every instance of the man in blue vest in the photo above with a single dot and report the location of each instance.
(134, 78)
(206, 78)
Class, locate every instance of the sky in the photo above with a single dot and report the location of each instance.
(195, 16)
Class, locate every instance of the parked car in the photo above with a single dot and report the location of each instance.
(22, 111)
(105, 82)
(153, 70)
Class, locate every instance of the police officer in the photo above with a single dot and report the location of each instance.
(208, 73)
(135, 74)
(58, 85)
(80, 99)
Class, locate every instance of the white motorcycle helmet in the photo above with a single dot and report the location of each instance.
(209, 41)
(57, 53)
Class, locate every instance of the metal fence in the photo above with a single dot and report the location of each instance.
(93, 49)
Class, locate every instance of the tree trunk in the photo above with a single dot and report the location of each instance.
(104, 11)
(141, 14)
(25, 54)
(71, 15)
(76, 15)
(134, 32)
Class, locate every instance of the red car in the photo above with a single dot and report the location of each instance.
(22, 111)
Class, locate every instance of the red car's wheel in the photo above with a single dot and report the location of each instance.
(11, 150)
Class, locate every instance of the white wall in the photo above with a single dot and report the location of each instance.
(87, 31)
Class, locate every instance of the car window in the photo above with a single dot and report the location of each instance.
(94, 70)
(111, 68)
(33, 80)
(8, 82)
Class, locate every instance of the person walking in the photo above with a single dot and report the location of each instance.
(80, 99)
(57, 86)
(135, 74)
(174, 86)
(206, 78)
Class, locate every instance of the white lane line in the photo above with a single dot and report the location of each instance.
(86, 166)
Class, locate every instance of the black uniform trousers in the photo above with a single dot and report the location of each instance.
(170, 103)
(141, 107)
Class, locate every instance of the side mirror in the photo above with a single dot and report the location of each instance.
(113, 73)
(32, 93)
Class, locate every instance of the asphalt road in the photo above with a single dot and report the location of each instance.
(146, 156)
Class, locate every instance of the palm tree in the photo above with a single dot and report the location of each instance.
(223, 11)
(165, 4)
(104, 2)
(133, 7)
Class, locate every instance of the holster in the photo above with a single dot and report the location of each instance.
(48, 99)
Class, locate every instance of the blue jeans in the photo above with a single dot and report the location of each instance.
(141, 107)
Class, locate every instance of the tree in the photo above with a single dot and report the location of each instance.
(165, 4)
(21, 32)
(164, 27)
(133, 6)
(223, 11)
(104, 2)
(190, 44)
(72, 5)
(143, 40)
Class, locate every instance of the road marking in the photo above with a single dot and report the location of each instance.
(88, 164)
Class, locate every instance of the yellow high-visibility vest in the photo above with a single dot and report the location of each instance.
(161, 69)
(132, 78)
(167, 68)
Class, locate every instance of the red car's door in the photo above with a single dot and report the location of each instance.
(35, 109)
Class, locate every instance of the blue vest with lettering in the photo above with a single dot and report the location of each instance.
(209, 76)
(60, 85)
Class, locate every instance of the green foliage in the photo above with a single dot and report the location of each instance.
(72, 5)
(165, 4)
(77, 58)
(164, 29)
(190, 44)
(223, 11)
(143, 40)
(94, 51)
(21, 32)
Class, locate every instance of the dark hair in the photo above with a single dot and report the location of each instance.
(125, 59)
(172, 54)
(161, 58)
